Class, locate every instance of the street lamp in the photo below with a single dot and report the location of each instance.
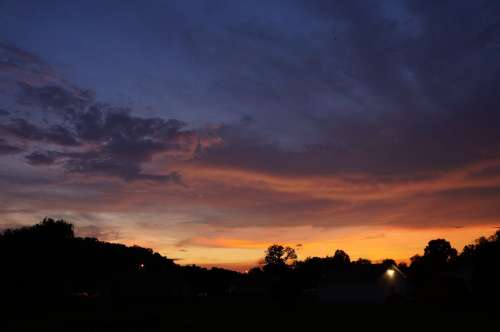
(391, 272)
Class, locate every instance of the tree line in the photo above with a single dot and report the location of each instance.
(47, 261)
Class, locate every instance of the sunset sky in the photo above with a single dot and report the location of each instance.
(208, 130)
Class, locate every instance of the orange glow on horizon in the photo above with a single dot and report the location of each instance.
(373, 244)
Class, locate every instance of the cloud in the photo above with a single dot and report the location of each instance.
(222, 243)
(392, 148)
(20, 68)
(54, 98)
(363, 95)
(97, 231)
(329, 114)
(100, 165)
(111, 144)
(24, 130)
(375, 236)
(41, 158)
(71, 129)
(342, 200)
(7, 149)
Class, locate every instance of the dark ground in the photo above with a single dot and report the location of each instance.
(156, 315)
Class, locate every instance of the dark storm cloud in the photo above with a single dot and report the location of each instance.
(4, 112)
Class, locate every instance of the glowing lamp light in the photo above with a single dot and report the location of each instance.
(390, 273)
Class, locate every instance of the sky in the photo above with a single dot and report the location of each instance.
(208, 130)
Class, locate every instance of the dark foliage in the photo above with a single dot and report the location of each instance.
(47, 261)
(479, 263)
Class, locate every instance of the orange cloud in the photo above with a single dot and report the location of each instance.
(358, 187)
(221, 242)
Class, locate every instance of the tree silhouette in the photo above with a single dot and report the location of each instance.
(439, 252)
(480, 261)
(363, 261)
(341, 258)
(47, 259)
(387, 263)
(278, 256)
(64, 265)
(48, 230)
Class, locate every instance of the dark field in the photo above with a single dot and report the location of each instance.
(153, 315)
